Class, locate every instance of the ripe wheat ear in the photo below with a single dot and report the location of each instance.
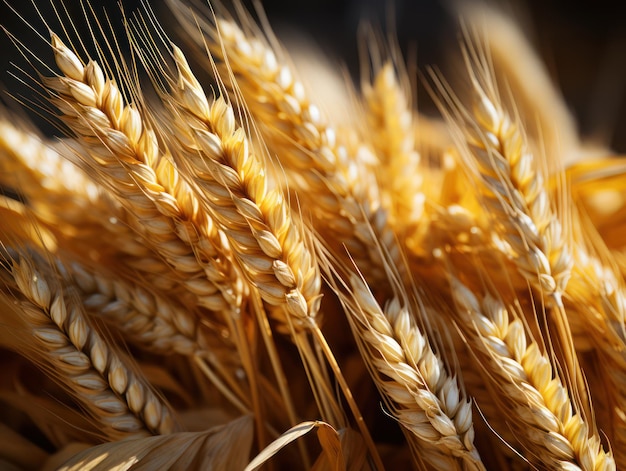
(99, 376)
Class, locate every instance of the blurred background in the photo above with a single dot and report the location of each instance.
(582, 45)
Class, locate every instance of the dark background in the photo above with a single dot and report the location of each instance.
(584, 47)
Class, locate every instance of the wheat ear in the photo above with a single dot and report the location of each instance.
(36, 168)
(176, 91)
(495, 152)
(329, 174)
(74, 207)
(599, 306)
(513, 193)
(412, 378)
(151, 320)
(392, 131)
(96, 374)
(158, 324)
(268, 244)
(530, 391)
(124, 151)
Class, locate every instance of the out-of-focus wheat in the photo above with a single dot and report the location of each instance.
(391, 124)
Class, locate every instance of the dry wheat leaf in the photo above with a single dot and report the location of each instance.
(354, 453)
(355, 450)
(225, 447)
(195, 420)
(330, 441)
(327, 436)
(63, 455)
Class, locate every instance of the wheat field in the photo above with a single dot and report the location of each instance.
(212, 264)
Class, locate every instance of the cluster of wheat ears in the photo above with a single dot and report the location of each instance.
(223, 273)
